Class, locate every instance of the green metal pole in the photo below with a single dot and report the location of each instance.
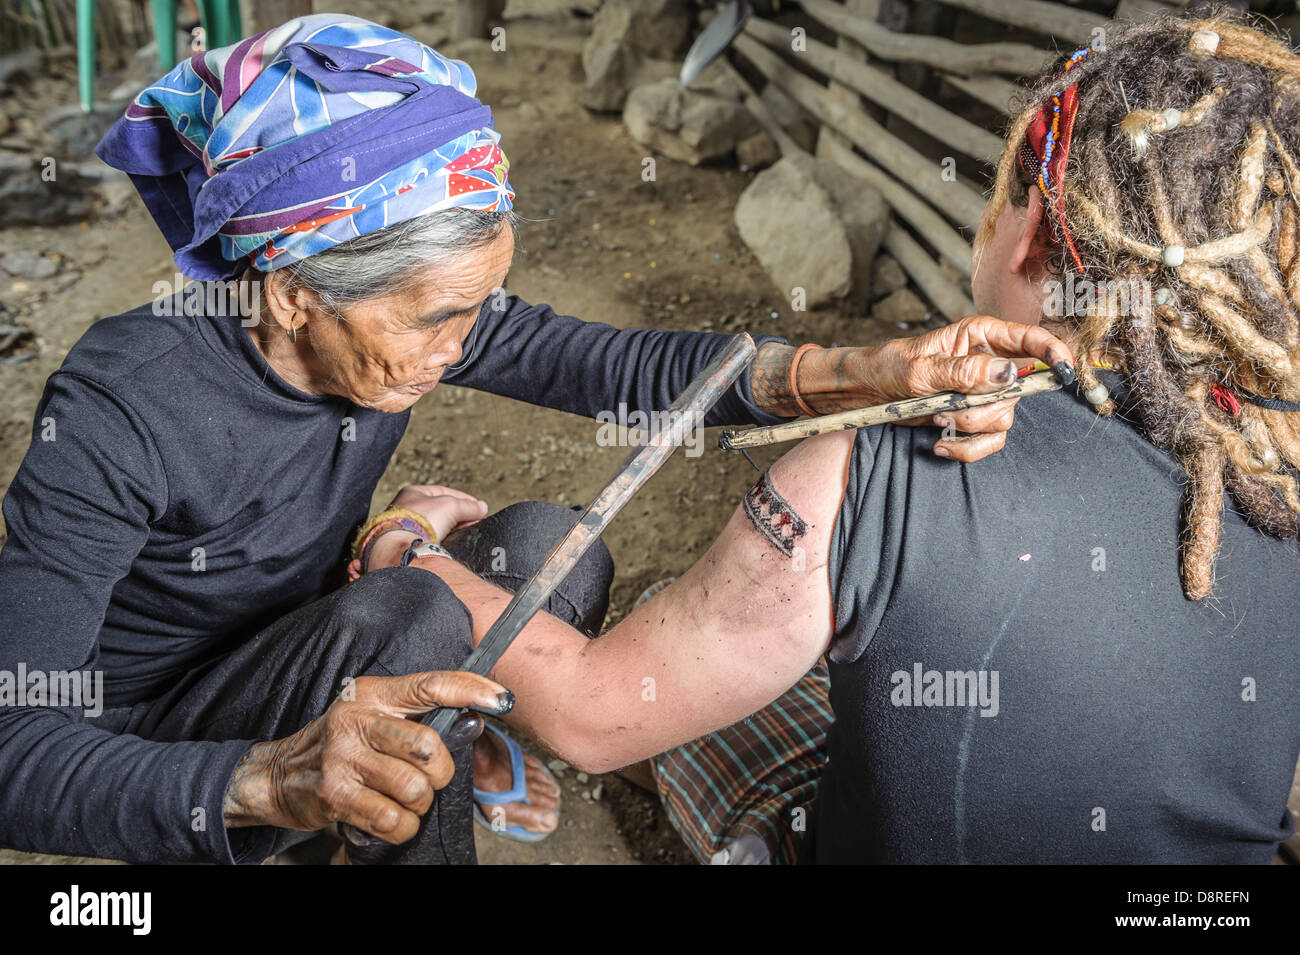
(86, 52)
(164, 32)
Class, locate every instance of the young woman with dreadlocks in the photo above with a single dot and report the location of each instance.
(1083, 648)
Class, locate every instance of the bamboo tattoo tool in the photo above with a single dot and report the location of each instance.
(1036, 382)
(685, 414)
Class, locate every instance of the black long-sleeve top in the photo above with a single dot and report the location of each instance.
(178, 495)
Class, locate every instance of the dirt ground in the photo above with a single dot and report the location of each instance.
(596, 242)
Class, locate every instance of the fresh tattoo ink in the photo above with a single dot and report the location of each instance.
(773, 517)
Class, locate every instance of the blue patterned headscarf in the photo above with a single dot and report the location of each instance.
(292, 141)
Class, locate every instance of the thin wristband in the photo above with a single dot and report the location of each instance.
(422, 548)
(392, 520)
(405, 526)
(792, 381)
(391, 517)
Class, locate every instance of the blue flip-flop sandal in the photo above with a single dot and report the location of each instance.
(517, 793)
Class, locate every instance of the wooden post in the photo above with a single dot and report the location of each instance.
(949, 299)
(991, 90)
(937, 52)
(1049, 19)
(931, 279)
(952, 301)
(859, 11)
(900, 99)
(960, 203)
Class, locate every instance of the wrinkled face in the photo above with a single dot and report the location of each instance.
(391, 350)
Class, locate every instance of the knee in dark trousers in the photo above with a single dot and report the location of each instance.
(507, 547)
(407, 618)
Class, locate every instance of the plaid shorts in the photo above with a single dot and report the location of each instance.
(757, 777)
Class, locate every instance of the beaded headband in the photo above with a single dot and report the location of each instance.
(1046, 147)
(1043, 154)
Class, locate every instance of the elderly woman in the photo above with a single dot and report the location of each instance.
(196, 476)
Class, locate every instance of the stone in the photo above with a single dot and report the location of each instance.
(800, 124)
(686, 124)
(901, 307)
(814, 227)
(29, 198)
(118, 194)
(613, 71)
(20, 65)
(757, 151)
(111, 185)
(76, 133)
(716, 78)
(657, 28)
(632, 42)
(887, 276)
(29, 264)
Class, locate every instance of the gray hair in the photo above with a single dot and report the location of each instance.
(394, 258)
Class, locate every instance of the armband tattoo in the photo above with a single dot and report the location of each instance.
(773, 517)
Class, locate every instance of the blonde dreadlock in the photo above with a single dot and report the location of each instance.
(1184, 174)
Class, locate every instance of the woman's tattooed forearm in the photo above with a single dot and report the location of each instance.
(830, 380)
(768, 380)
(248, 800)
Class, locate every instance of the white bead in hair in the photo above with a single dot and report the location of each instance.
(1173, 255)
(1204, 41)
(1172, 118)
(1164, 296)
(1097, 395)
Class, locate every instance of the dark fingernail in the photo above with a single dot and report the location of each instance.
(467, 728)
(505, 703)
(1064, 371)
(1003, 372)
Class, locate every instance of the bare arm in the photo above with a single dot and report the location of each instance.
(749, 619)
(733, 633)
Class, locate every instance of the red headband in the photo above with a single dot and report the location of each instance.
(1046, 147)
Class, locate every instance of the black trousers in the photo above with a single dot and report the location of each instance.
(389, 623)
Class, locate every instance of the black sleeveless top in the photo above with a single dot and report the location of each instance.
(1017, 676)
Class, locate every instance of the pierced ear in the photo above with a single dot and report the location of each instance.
(283, 300)
(1027, 247)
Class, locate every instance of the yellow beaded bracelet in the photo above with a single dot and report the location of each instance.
(393, 517)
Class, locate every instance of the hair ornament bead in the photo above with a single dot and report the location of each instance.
(1097, 395)
(1204, 41)
(1173, 255)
